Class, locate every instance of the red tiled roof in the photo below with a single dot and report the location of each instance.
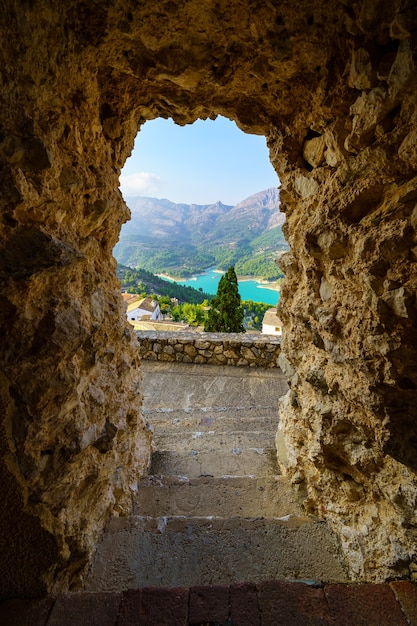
(146, 305)
(130, 297)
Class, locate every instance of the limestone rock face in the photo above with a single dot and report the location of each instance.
(333, 88)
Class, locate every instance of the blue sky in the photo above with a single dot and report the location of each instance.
(199, 163)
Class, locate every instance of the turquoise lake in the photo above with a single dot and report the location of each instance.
(248, 289)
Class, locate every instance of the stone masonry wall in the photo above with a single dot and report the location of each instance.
(237, 349)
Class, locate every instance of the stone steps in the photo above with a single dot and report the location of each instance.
(224, 406)
(224, 418)
(214, 509)
(205, 416)
(216, 463)
(266, 497)
(213, 440)
(184, 550)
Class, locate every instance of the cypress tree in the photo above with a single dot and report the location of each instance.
(226, 313)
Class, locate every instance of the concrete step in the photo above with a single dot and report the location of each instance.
(212, 440)
(197, 386)
(271, 497)
(223, 418)
(180, 551)
(217, 463)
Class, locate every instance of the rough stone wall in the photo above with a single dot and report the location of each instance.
(237, 349)
(349, 298)
(70, 381)
(331, 84)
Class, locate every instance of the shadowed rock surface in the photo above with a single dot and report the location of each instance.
(332, 86)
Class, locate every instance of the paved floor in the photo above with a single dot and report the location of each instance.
(271, 603)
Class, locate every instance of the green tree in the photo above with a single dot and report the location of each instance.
(254, 313)
(226, 313)
(193, 314)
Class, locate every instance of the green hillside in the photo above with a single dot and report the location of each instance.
(182, 240)
(142, 281)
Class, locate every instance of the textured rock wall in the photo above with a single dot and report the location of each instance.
(349, 300)
(237, 349)
(331, 84)
(76, 442)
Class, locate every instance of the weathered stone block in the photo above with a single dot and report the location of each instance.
(247, 353)
(377, 602)
(292, 604)
(202, 345)
(205, 353)
(406, 594)
(190, 350)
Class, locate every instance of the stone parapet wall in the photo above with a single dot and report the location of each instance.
(239, 349)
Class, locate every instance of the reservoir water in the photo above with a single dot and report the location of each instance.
(248, 289)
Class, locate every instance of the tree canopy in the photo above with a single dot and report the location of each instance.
(226, 313)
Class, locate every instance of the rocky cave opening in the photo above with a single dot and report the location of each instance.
(184, 187)
(333, 88)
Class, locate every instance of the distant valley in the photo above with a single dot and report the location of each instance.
(185, 239)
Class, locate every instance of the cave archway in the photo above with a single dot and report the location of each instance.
(332, 87)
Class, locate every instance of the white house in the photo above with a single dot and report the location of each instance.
(143, 309)
(271, 324)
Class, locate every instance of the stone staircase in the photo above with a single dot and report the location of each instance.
(214, 509)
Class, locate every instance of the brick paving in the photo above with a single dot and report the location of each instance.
(271, 603)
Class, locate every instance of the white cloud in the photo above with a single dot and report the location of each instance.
(139, 184)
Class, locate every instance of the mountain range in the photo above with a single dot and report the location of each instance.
(184, 239)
